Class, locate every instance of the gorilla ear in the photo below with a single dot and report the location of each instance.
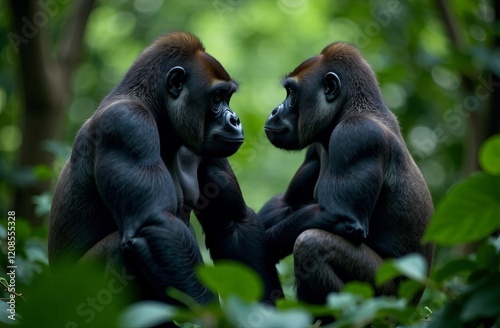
(175, 81)
(332, 89)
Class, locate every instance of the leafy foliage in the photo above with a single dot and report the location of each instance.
(422, 79)
(221, 279)
(475, 203)
(489, 155)
(466, 288)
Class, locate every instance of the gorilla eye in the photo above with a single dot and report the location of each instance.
(217, 102)
(217, 98)
(292, 96)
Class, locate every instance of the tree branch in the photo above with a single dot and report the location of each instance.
(494, 118)
(450, 24)
(45, 82)
(475, 120)
(71, 44)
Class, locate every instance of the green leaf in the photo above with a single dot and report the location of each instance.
(242, 314)
(489, 155)
(408, 289)
(83, 295)
(469, 212)
(183, 298)
(342, 301)
(313, 309)
(447, 317)
(453, 267)
(386, 272)
(373, 308)
(487, 257)
(496, 242)
(232, 278)
(43, 203)
(362, 289)
(483, 299)
(412, 266)
(285, 304)
(147, 314)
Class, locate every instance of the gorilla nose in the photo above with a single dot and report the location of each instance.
(232, 123)
(233, 120)
(276, 110)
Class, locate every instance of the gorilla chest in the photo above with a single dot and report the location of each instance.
(184, 172)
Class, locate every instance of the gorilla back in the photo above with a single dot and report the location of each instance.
(143, 162)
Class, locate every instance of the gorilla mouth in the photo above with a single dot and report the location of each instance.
(275, 130)
(235, 140)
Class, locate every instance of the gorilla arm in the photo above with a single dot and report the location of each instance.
(232, 229)
(136, 186)
(347, 192)
(300, 191)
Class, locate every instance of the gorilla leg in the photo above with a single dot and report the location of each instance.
(324, 262)
(162, 255)
(167, 253)
(106, 251)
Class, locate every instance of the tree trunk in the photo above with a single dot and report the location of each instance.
(494, 110)
(486, 122)
(45, 83)
(481, 124)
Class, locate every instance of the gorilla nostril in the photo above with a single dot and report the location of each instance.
(274, 112)
(234, 121)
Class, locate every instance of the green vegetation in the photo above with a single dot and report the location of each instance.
(463, 290)
(438, 64)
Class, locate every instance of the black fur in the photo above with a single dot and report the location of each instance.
(152, 153)
(359, 197)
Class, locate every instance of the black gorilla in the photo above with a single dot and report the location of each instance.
(358, 198)
(154, 151)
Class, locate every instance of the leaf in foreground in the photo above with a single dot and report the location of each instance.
(469, 212)
(489, 155)
(147, 314)
(232, 279)
(412, 266)
(242, 314)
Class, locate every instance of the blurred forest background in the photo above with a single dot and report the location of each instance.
(437, 62)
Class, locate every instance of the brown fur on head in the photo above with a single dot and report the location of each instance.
(348, 63)
(329, 87)
(189, 47)
(198, 72)
(359, 87)
(363, 85)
